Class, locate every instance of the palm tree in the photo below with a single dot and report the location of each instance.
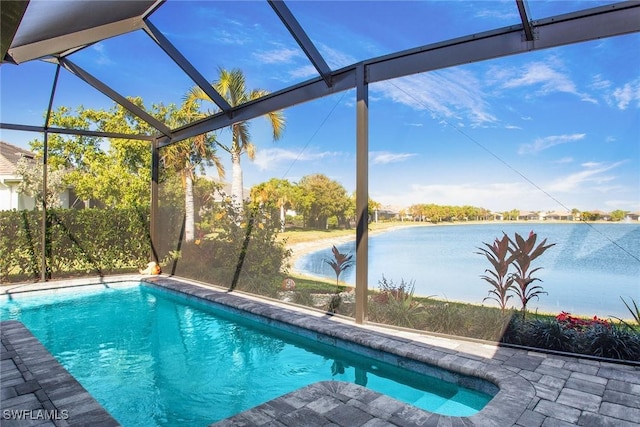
(277, 193)
(186, 157)
(231, 85)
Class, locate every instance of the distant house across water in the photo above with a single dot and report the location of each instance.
(559, 216)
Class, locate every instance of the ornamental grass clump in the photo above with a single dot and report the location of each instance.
(395, 304)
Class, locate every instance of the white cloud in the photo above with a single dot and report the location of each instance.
(449, 94)
(334, 58)
(102, 57)
(548, 77)
(564, 160)
(627, 94)
(283, 55)
(496, 14)
(541, 144)
(599, 83)
(304, 72)
(271, 158)
(384, 157)
(593, 174)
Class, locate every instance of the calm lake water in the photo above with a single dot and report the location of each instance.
(586, 272)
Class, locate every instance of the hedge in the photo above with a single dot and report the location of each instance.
(88, 241)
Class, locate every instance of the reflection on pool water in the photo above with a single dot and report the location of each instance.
(155, 358)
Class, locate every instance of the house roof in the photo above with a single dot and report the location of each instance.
(9, 156)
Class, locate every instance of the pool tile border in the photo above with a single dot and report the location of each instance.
(37, 390)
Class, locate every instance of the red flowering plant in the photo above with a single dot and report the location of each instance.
(578, 324)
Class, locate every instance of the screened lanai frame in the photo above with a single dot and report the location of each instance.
(36, 31)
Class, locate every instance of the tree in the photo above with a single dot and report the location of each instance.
(188, 157)
(618, 215)
(373, 207)
(575, 213)
(115, 171)
(31, 184)
(232, 86)
(277, 194)
(321, 198)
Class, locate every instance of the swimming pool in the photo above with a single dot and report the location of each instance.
(156, 357)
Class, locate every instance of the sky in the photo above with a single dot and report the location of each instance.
(550, 130)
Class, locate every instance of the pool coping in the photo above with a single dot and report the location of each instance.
(535, 389)
(37, 390)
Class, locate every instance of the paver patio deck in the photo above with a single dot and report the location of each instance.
(535, 389)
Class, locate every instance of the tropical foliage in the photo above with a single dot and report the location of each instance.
(237, 252)
(231, 84)
(499, 278)
(339, 263)
(525, 252)
(567, 333)
(518, 253)
(114, 172)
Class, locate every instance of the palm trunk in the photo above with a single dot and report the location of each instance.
(236, 180)
(189, 226)
(282, 218)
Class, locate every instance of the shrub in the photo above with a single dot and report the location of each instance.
(611, 341)
(241, 254)
(594, 337)
(550, 334)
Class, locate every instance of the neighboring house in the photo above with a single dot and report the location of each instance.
(10, 198)
(386, 213)
(559, 216)
(632, 216)
(529, 216)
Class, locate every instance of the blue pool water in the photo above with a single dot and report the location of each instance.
(154, 358)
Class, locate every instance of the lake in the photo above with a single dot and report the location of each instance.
(586, 272)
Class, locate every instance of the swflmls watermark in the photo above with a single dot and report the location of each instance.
(34, 414)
